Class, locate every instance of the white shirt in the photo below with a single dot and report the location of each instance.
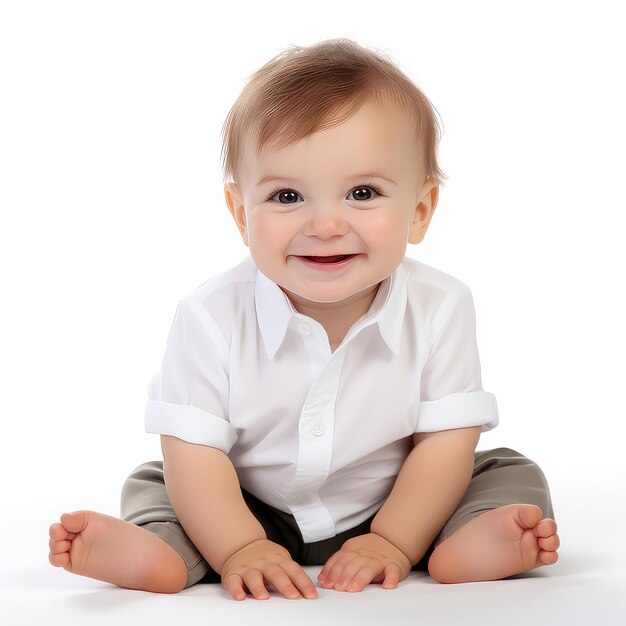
(317, 434)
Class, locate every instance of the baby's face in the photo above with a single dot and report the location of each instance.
(319, 202)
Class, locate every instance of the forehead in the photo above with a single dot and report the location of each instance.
(372, 140)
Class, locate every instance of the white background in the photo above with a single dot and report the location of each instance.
(112, 207)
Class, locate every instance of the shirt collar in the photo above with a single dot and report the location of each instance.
(275, 312)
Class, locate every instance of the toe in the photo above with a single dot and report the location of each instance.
(57, 547)
(548, 557)
(59, 560)
(549, 543)
(57, 532)
(75, 522)
(545, 528)
(528, 515)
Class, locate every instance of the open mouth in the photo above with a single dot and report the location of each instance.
(327, 263)
(329, 259)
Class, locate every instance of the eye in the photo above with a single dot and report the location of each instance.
(290, 192)
(294, 194)
(369, 186)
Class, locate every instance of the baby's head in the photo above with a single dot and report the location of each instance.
(332, 151)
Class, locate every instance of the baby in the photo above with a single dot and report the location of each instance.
(321, 402)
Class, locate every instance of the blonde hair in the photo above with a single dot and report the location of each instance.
(297, 92)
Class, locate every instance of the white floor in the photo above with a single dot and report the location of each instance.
(587, 586)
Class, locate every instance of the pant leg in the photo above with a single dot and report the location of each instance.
(501, 476)
(144, 501)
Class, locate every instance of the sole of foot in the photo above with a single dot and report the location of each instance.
(112, 550)
(496, 544)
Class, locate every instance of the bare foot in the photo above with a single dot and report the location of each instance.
(115, 551)
(498, 543)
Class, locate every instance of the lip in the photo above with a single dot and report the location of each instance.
(327, 267)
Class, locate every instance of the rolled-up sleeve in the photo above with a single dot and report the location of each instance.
(188, 397)
(451, 392)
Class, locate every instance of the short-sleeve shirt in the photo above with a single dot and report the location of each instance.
(315, 433)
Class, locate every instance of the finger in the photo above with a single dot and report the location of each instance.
(350, 570)
(234, 585)
(300, 579)
(281, 581)
(254, 581)
(367, 572)
(335, 572)
(392, 576)
(327, 567)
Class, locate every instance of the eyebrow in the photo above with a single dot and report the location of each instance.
(372, 175)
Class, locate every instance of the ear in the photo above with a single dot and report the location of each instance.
(427, 203)
(234, 200)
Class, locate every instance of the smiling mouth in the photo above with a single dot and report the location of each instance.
(329, 259)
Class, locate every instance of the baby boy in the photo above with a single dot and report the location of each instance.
(321, 402)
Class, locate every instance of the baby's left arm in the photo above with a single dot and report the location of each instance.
(429, 488)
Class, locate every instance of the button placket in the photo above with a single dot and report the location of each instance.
(315, 449)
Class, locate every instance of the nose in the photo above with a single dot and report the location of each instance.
(326, 222)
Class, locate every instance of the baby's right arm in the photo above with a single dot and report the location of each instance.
(204, 490)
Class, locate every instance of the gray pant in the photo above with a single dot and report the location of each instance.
(501, 476)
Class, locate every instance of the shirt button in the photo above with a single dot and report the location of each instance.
(318, 428)
(304, 329)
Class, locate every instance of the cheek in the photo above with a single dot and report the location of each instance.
(384, 231)
(271, 232)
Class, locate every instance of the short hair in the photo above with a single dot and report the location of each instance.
(299, 90)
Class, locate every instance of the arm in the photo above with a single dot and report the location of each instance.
(203, 488)
(429, 488)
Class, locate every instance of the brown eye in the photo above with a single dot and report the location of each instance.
(365, 189)
(289, 194)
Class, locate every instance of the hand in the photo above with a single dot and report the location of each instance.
(265, 561)
(364, 559)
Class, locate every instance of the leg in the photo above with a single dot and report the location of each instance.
(145, 503)
(503, 526)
